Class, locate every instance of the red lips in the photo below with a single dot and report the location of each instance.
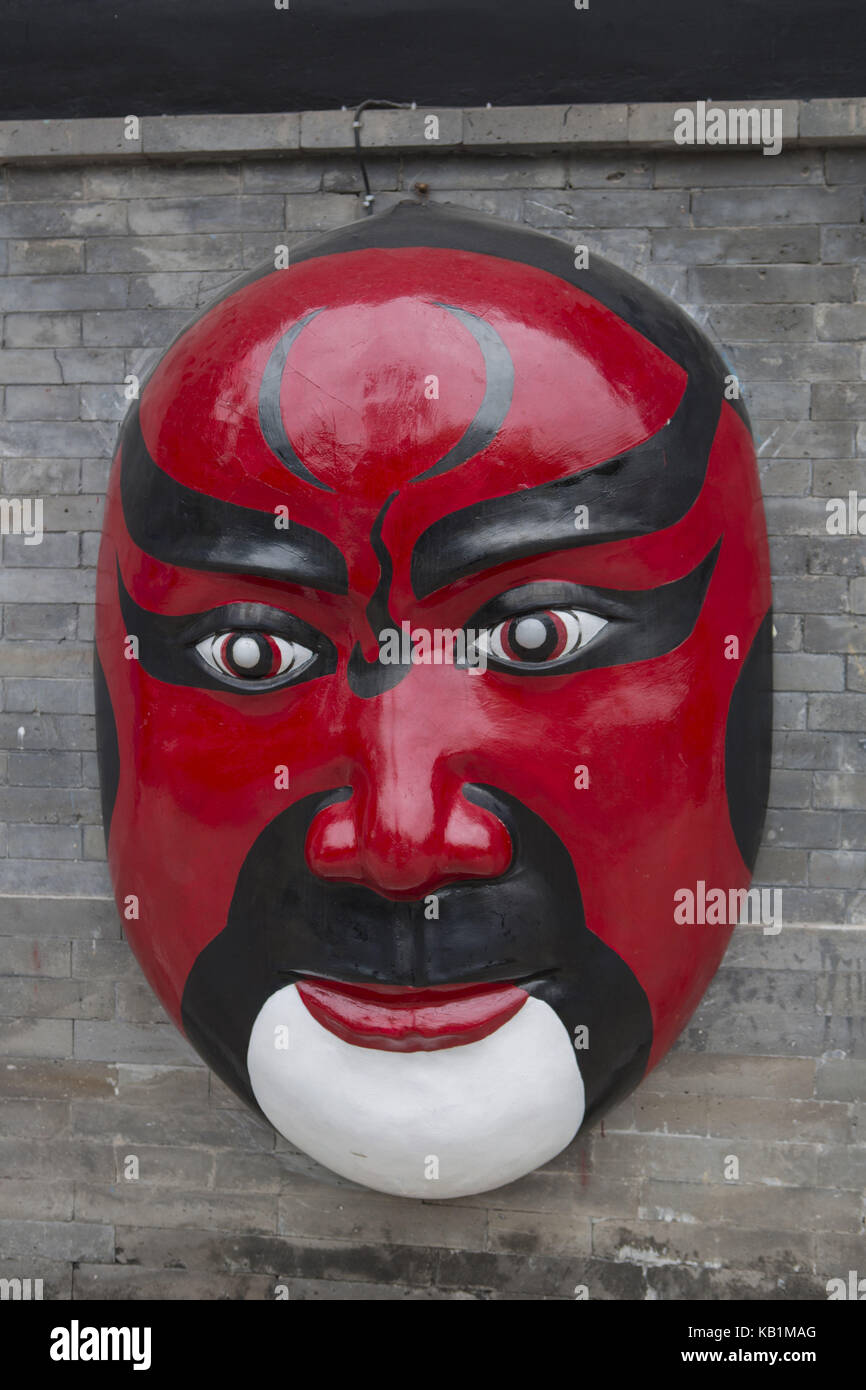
(397, 1019)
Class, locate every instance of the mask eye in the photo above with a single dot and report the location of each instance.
(544, 637)
(253, 656)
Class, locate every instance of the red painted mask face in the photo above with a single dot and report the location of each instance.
(433, 633)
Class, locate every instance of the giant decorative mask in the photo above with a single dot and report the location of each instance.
(445, 565)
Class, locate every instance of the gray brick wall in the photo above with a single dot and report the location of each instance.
(106, 260)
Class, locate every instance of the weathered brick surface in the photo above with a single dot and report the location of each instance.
(106, 261)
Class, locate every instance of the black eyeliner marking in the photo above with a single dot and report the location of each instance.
(642, 623)
(646, 489)
(182, 527)
(166, 652)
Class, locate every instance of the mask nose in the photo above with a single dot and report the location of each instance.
(404, 839)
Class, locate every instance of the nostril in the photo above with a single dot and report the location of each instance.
(332, 843)
(404, 854)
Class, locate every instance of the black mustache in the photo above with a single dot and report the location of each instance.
(526, 925)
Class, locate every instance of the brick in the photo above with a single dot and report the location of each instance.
(789, 710)
(24, 366)
(843, 1167)
(739, 169)
(765, 245)
(40, 476)
(50, 1080)
(32, 1119)
(45, 257)
(841, 322)
(480, 171)
(776, 399)
(710, 1075)
(801, 671)
(22, 140)
(810, 750)
(63, 219)
(160, 1087)
(138, 328)
(743, 1205)
(128, 1042)
(304, 212)
(159, 1165)
(161, 216)
(44, 842)
(780, 867)
(294, 175)
(522, 1232)
(838, 712)
(58, 1240)
(839, 1079)
(845, 165)
(809, 1121)
(120, 180)
(845, 401)
(671, 1242)
(789, 788)
(808, 905)
(840, 791)
(837, 119)
(56, 1276)
(219, 251)
(763, 322)
(842, 244)
(655, 123)
(833, 634)
(784, 478)
(363, 1216)
(41, 403)
(123, 1284)
(774, 284)
(606, 208)
(52, 877)
(136, 1003)
(834, 478)
(751, 207)
(42, 330)
(54, 552)
(66, 440)
(819, 362)
(694, 1158)
(541, 127)
(143, 1124)
(62, 917)
(40, 1037)
(218, 134)
(22, 1200)
(42, 958)
(29, 185)
(30, 292)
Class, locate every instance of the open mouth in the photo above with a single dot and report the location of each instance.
(397, 1019)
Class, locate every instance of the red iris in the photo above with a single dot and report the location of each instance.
(553, 645)
(269, 661)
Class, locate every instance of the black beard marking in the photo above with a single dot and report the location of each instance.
(527, 926)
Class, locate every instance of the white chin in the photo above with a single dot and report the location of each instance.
(419, 1124)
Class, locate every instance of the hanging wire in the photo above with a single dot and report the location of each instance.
(369, 196)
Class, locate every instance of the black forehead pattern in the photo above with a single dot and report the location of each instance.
(450, 228)
(481, 430)
(645, 489)
(180, 526)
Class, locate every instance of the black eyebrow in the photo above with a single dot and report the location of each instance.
(182, 527)
(642, 490)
